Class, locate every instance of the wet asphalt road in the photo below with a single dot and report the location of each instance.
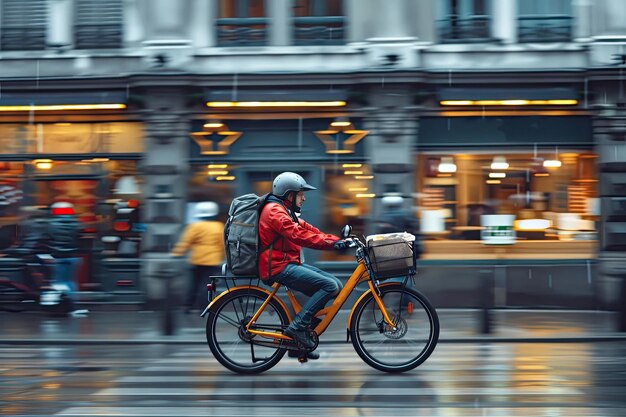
(490, 379)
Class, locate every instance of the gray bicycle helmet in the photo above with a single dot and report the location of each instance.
(289, 181)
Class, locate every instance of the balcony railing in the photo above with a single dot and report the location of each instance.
(30, 38)
(98, 36)
(456, 29)
(242, 31)
(546, 28)
(326, 30)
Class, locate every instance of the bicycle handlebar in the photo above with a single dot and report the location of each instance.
(353, 242)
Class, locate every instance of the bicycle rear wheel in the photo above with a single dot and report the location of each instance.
(398, 349)
(231, 344)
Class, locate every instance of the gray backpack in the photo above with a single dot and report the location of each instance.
(241, 234)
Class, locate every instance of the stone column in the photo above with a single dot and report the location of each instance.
(202, 28)
(582, 12)
(392, 124)
(392, 20)
(609, 130)
(392, 43)
(425, 17)
(133, 32)
(280, 29)
(357, 20)
(164, 170)
(167, 32)
(504, 21)
(60, 23)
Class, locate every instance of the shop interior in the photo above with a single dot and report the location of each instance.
(550, 194)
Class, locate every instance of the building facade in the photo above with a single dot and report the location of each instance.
(135, 110)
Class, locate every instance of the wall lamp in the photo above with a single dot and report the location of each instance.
(261, 104)
(64, 107)
(213, 124)
(341, 122)
(561, 102)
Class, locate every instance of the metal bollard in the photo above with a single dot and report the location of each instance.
(486, 301)
(621, 326)
(167, 274)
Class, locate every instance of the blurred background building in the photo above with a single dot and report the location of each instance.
(136, 109)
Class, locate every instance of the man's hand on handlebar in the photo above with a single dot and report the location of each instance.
(340, 245)
(344, 244)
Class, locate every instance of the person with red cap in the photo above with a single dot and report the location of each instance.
(61, 239)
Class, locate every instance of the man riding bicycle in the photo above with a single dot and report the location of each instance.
(284, 234)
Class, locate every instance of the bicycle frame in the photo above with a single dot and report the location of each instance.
(360, 274)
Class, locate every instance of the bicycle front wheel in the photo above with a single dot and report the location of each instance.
(231, 344)
(405, 345)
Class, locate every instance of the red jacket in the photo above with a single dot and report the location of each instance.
(276, 223)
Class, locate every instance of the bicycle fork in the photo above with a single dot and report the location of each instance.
(381, 306)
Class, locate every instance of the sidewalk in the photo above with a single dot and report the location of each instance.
(457, 326)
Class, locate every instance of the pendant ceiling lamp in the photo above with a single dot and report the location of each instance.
(499, 162)
(446, 165)
(553, 163)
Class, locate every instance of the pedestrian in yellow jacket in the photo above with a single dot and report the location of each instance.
(204, 239)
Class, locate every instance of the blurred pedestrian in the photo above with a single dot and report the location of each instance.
(204, 238)
(396, 218)
(61, 238)
(31, 229)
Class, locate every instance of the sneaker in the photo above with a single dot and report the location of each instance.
(309, 355)
(301, 337)
(79, 313)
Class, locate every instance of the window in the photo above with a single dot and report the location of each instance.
(93, 187)
(24, 24)
(544, 21)
(318, 22)
(242, 23)
(98, 24)
(72, 138)
(464, 21)
(549, 195)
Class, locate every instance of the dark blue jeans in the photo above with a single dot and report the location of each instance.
(320, 286)
(64, 272)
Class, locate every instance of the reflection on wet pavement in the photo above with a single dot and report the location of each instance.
(568, 379)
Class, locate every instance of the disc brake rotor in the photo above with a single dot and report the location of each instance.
(399, 331)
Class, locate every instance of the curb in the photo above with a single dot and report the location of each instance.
(477, 339)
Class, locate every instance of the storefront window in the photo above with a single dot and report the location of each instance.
(91, 185)
(71, 138)
(547, 195)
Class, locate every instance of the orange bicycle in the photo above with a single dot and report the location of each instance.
(393, 327)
